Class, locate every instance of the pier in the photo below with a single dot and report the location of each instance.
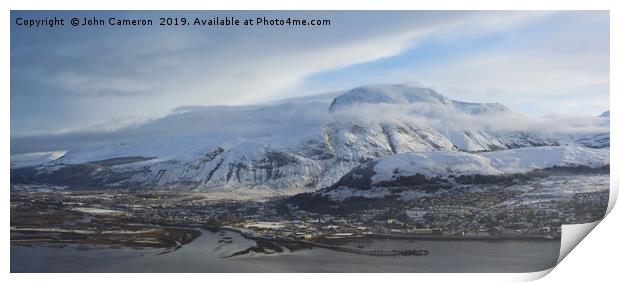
(407, 252)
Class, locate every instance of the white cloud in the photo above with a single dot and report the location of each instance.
(118, 80)
(566, 72)
(139, 76)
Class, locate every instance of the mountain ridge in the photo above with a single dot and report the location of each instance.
(280, 148)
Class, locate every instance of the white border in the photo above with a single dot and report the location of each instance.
(294, 5)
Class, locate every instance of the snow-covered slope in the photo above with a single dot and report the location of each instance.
(402, 94)
(604, 114)
(424, 170)
(431, 164)
(512, 161)
(593, 139)
(526, 159)
(287, 147)
(34, 159)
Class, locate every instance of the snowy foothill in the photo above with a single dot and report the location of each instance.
(380, 178)
(432, 164)
(520, 160)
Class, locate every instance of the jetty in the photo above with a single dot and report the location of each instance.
(253, 236)
(407, 252)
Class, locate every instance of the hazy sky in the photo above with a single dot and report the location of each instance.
(77, 78)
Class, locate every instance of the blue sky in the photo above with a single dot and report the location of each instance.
(96, 79)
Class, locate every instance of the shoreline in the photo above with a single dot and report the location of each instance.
(408, 252)
(405, 237)
(323, 243)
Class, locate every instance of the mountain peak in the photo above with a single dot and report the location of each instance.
(604, 114)
(391, 94)
(404, 94)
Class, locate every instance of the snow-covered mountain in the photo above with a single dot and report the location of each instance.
(287, 147)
